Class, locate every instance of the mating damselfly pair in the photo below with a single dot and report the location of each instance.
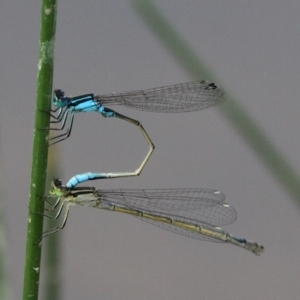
(196, 213)
(185, 97)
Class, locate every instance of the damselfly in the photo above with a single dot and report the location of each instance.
(183, 97)
(196, 213)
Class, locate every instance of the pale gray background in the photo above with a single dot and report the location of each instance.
(103, 46)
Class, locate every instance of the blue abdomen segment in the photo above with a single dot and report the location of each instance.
(85, 177)
(106, 112)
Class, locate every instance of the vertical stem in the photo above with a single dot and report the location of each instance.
(40, 150)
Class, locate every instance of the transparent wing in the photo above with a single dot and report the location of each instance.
(166, 199)
(183, 97)
(189, 205)
(207, 219)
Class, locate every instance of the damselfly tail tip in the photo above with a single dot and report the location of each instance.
(256, 248)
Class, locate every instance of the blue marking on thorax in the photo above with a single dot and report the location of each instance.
(86, 106)
(87, 103)
(83, 103)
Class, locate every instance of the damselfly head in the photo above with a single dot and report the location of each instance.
(58, 189)
(59, 98)
(57, 183)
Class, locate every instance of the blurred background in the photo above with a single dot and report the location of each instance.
(251, 49)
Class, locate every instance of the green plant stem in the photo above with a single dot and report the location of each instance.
(241, 120)
(40, 150)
